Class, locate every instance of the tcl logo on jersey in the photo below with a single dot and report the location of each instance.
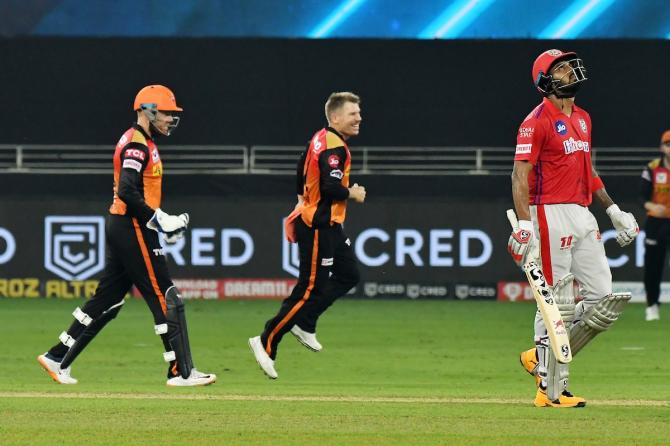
(561, 128)
(333, 161)
(661, 177)
(135, 153)
(573, 145)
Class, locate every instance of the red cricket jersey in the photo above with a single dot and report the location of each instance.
(559, 147)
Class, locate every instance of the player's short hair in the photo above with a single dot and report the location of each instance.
(338, 99)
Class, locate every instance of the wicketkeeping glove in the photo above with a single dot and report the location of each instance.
(624, 223)
(522, 242)
(168, 224)
(172, 238)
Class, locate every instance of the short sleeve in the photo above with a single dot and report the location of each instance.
(529, 140)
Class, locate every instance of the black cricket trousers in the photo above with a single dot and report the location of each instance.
(328, 270)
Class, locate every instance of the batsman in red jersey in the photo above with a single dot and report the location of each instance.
(553, 183)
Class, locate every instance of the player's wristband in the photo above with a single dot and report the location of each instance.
(597, 184)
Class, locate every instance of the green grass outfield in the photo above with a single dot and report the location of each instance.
(391, 372)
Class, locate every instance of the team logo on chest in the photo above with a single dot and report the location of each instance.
(661, 177)
(154, 156)
(561, 128)
(582, 125)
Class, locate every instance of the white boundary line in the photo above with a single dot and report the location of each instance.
(314, 399)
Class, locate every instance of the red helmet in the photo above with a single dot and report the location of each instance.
(544, 81)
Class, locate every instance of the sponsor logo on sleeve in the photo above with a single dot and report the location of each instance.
(132, 164)
(333, 161)
(561, 128)
(645, 175)
(523, 149)
(526, 132)
(135, 153)
(336, 174)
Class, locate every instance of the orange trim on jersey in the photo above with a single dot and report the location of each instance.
(305, 296)
(150, 268)
(545, 244)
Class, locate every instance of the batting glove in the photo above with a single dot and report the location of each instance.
(522, 242)
(168, 224)
(624, 223)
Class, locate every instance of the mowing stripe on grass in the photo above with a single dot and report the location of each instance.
(315, 399)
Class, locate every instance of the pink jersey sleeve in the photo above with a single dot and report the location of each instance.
(529, 140)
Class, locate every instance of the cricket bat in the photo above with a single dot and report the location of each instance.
(544, 296)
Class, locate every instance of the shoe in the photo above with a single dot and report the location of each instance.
(306, 339)
(52, 367)
(566, 400)
(196, 378)
(651, 313)
(529, 362)
(262, 358)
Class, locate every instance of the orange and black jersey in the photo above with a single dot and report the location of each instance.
(323, 179)
(138, 172)
(655, 184)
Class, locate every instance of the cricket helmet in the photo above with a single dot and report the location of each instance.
(547, 84)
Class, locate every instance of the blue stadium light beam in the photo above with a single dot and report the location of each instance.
(335, 19)
(453, 20)
(575, 19)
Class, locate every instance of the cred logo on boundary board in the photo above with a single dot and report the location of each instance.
(74, 246)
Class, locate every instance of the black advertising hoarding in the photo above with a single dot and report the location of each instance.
(415, 249)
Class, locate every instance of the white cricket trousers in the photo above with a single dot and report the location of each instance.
(570, 242)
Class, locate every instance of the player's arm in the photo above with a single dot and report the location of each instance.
(331, 165)
(624, 222)
(599, 193)
(134, 159)
(520, 193)
(300, 177)
(522, 245)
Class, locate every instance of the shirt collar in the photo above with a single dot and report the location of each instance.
(555, 111)
(136, 126)
(330, 129)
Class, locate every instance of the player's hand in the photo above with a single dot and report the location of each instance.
(166, 223)
(522, 244)
(357, 193)
(624, 223)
